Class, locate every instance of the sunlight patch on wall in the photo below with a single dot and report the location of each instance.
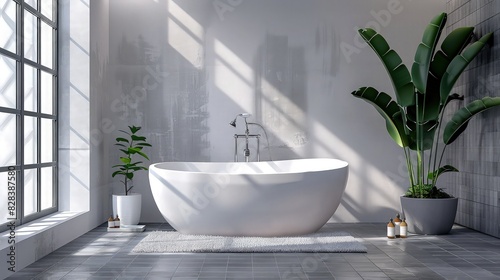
(185, 35)
(367, 184)
(233, 76)
(325, 139)
(226, 57)
(282, 117)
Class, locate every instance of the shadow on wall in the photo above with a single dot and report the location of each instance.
(281, 99)
(281, 105)
(155, 86)
(160, 80)
(280, 91)
(173, 114)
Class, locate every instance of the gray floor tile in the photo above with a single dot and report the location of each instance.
(463, 254)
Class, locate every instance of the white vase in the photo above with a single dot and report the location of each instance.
(128, 208)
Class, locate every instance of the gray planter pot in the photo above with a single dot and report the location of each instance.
(429, 216)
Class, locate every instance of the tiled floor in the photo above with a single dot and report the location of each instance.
(463, 254)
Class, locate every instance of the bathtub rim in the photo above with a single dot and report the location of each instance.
(342, 165)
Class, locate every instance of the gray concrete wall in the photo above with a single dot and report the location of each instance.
(477, 153)
(183, 69)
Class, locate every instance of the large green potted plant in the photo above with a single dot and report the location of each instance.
(128, 205)
(415, 119)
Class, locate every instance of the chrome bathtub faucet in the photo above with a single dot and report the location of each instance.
(247, 136)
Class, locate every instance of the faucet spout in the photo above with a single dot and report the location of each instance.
(243, 115)
(233, 123)
(247, 135)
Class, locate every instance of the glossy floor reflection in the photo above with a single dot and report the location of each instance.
(463, 254)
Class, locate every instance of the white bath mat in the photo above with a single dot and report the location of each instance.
(174, 242)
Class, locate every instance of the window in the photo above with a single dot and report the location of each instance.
(28, 109)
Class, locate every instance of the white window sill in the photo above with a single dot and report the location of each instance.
(35, 227)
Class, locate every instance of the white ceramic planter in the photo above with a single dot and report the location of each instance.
(429, 216)
(128, 208)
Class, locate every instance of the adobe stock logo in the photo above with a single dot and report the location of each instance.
(223, 6)
(381, 19)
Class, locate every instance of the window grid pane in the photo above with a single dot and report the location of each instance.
(30, 36)
(30, 88)
(47, 132)
(8, 139)
(5, 214)
(47, 8)
(47, 94)
(7, 82)
(46, 175)
(8, 25)
(32, 3)
(30, 192)
(46, 45)
(30, 140)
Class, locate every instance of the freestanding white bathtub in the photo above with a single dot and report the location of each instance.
(275, 198)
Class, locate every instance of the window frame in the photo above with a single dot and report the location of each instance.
(20, 112)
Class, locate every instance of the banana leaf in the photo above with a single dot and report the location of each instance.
(400, 76)
(389, 110)
(458, 65)
(429, 103)
(425, 51)
(443, 169)
(461, 118)
(431, 108)
(451, 97)
(452, 46)
(454, 96)
(428, 129)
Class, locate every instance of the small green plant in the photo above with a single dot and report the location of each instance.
(130, 146)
